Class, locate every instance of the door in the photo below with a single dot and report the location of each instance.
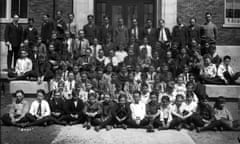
(126, 9)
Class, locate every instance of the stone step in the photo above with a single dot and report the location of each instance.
(29, 87)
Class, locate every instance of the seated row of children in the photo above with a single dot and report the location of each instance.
(104, 112)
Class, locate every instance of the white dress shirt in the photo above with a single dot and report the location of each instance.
(149, 50)
(223, 68)
(138, 110)
(120, 55)
(23, 65)
(45, 109)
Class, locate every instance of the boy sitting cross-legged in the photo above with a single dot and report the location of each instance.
(152, 109)
(138, 112)
(105, 119)
(92, 110)
(121, 112)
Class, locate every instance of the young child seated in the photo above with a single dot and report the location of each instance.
(74, 110)
(179, 113)
(138, 112)
(226, 73)
(23, 66)
(18, 111)
(121, 112)
(180, 86)
(152, 110)
(165, 113)
(105, 118)
(92, 110)
(223, 118)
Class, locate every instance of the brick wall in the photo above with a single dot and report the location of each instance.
(197, 8)
(39, 7)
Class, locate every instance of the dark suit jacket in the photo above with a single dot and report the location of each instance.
(57, 105)
(105, 32)
(168, 34)
(193, 33)
(30, 35)
(72, 109)
(46, 31)
(152, 36)
(91, 32)
(14, 34)
(180, 36)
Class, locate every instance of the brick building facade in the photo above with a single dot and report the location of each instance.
(167, 9)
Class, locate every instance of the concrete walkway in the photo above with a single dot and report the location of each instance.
(78, 135)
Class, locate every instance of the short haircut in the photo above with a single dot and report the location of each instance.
(41, 91)
(162, 20)
(92, 95)
(165, 97)
(153, 93)
(193, 18)
(31, 19)
(138, 92)
(208, 13)
(90, 16)
(189, 94)
(122, 96)
(179, 95)
(189, 84)
(227, 57)
(19, 91)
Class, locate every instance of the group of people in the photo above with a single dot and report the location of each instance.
(107, 77)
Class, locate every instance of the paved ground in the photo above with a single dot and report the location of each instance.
(77, 135)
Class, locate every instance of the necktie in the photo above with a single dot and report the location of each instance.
(95, 51)
(70, 85)
(39, 110)
(227, 69)
(135, 33)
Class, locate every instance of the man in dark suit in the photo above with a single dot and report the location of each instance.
(74, 110)
(30, 34)
(193, 31)
(106, 31)
(150, 33)
(135, 31)
(163, 34)
(46, 29)
(179, 34)
(90, 29)
(61, 26)
(13, 39)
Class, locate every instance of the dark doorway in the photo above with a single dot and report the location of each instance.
(126, 9)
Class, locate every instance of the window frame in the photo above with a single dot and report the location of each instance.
(8, 18)
(225, 24)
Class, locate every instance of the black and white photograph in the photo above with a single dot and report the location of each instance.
(120, 71)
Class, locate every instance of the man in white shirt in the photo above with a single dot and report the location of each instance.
(95, 48)
(226, 73)
(81, 43)
(23, 65)
(40, 113)
(164, 35)
(121, 54)
(147, 47)
(138, 112)
(145, 94)
(70, 84)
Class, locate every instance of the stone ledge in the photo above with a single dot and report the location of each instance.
(228, 91)
(29, 87)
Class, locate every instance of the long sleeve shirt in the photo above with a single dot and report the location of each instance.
(23, 65)
(222, 69)
(138, 111)
(45, 108)
(209, 71)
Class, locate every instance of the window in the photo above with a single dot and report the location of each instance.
(11, 7)
(148, 11)
(232, 13)
(101, 12)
